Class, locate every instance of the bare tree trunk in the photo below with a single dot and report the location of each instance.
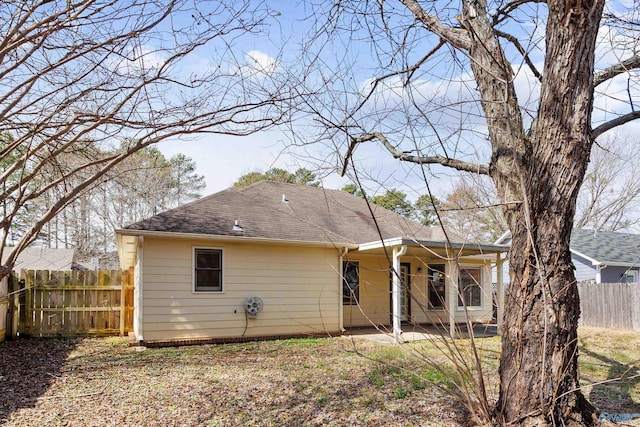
(539, 360)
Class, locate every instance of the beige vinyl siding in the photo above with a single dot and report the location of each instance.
(299, 287)
(375, 305)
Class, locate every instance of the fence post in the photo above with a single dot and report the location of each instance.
(15, 309)
(4, 306)
(635, 306)
(28, 276)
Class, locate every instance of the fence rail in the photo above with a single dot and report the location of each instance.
(71, 303)
(610, 305)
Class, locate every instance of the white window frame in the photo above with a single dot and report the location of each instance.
(480, 285)
(194, 250)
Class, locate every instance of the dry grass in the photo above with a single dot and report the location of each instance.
(307, 382)
(610, 360)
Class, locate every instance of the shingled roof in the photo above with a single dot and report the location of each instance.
(273, 210)
(607, 247)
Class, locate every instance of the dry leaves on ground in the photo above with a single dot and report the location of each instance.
(102, 382)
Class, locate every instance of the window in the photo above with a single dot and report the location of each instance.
(630, 276)
(437, 294)
(350, 282)
(208, 270)
(470, 290)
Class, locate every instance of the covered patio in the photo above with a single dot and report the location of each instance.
(428, 281)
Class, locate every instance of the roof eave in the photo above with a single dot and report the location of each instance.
(227, 238)
(587, 257)
(396, 241)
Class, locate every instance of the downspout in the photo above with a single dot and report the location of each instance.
(398, 251)
(599, 268)
(343, 253)
(137, 293)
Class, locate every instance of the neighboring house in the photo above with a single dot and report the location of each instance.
(601, 256)
(267, 260)
(605, 256)
(34, 258)
(53, 259)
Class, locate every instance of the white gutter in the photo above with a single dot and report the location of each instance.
(398, 251)
(227, 238)
(580, 254)
(397, 241)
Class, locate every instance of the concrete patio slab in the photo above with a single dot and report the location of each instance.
(419, 332)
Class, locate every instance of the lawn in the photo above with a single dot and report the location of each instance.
(314, 382)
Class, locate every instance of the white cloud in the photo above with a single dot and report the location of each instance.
(139, 61)
(258, 65)
(261, 61)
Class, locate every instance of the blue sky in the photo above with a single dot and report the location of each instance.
(222, 159)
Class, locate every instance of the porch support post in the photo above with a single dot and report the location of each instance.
(453, 297)
(398, 251)
(341, 288)
(499, 291)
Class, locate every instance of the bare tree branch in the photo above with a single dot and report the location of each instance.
(420, 160)
(504, 12)
(77, 78)
(522, 51)
(456, 36)
(617, 69)
(618, 121)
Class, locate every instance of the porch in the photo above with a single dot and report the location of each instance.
(403, 282)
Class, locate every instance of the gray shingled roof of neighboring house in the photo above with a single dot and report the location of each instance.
(34, 258)
(310, 214)
(607, 247)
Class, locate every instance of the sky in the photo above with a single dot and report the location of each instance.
(222, 159)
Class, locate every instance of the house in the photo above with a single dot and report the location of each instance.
(40, 258)
(275, 260)
(605, 256)
(601, 256)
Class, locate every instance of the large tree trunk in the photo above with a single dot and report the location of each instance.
(539, 361)
(540, 173)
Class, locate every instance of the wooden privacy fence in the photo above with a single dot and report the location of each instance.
(610, 305)
(70, 303)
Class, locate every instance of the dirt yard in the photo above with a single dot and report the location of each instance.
(305, 382)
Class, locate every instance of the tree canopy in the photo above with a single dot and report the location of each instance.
(422, 210)
(300, 176)
(142, 185)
